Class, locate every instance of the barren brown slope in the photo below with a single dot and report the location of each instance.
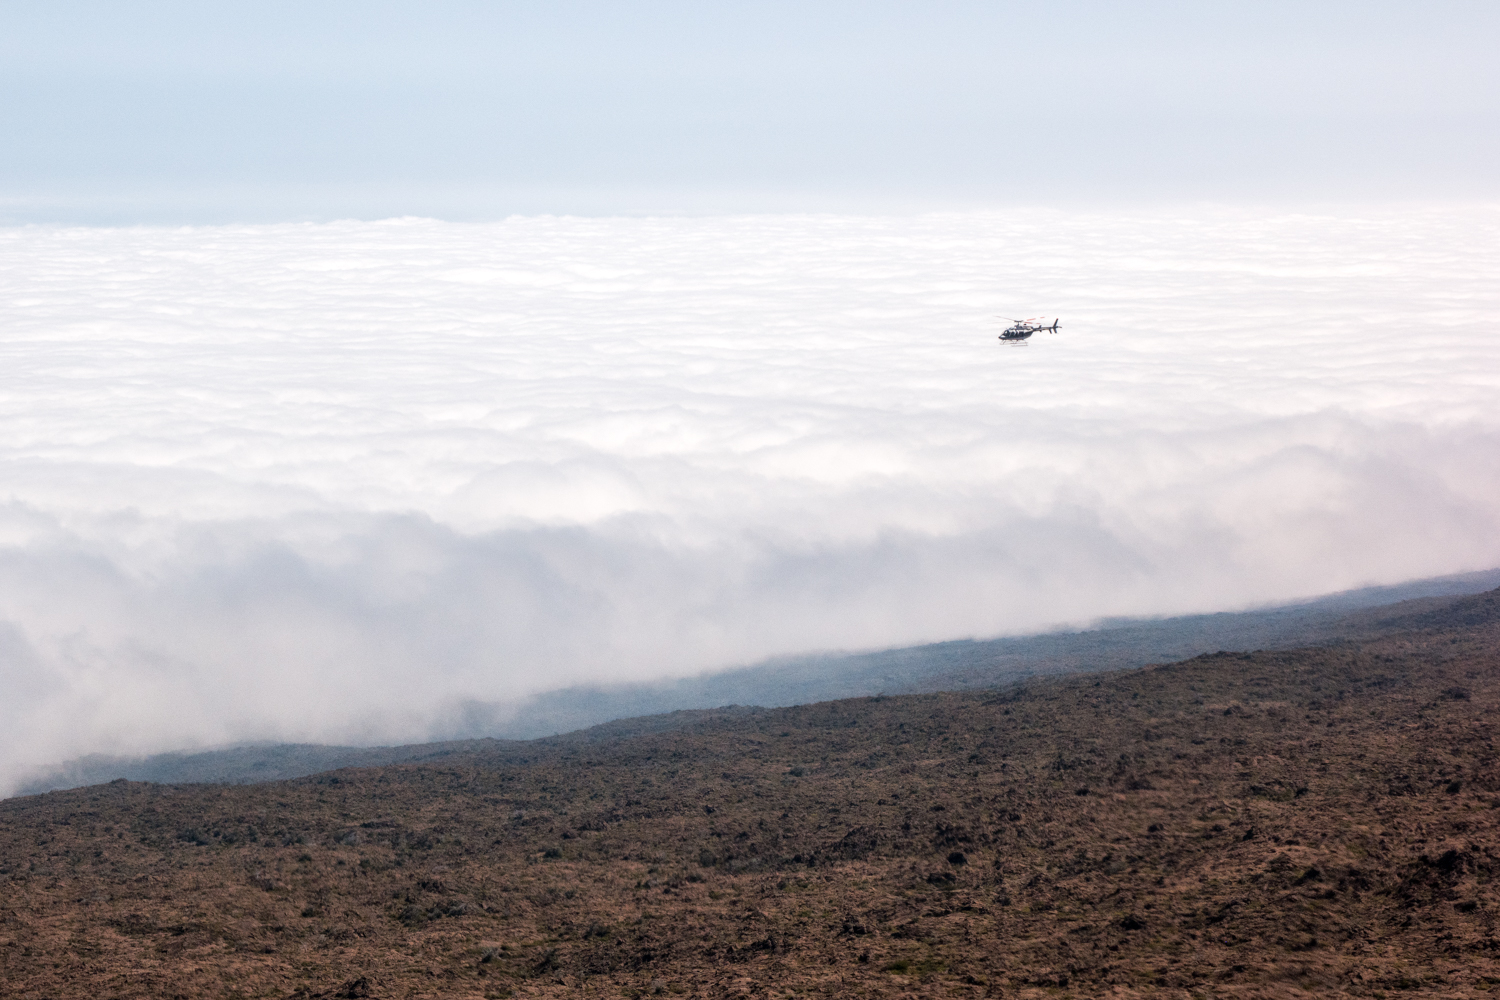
(1269, 824)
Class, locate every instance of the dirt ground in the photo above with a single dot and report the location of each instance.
(1270, 824)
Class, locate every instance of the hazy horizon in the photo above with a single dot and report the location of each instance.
(169, 112)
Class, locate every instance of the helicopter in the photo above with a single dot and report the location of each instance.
(1020, 329)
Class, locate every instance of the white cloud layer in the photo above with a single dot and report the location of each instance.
(325, 482)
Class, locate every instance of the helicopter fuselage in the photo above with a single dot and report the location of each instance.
(1021, 329)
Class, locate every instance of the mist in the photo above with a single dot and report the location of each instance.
(332, 482)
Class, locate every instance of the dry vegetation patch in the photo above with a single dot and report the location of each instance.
(1320, 821)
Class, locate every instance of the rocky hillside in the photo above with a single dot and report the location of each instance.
(1319, 821)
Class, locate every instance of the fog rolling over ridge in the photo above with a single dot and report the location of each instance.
(330, 483)
(598, 712)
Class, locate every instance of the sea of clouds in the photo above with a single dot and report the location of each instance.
(329, 482)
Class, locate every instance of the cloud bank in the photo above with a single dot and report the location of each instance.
(328, 482)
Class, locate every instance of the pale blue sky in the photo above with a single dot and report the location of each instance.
(173, 111)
